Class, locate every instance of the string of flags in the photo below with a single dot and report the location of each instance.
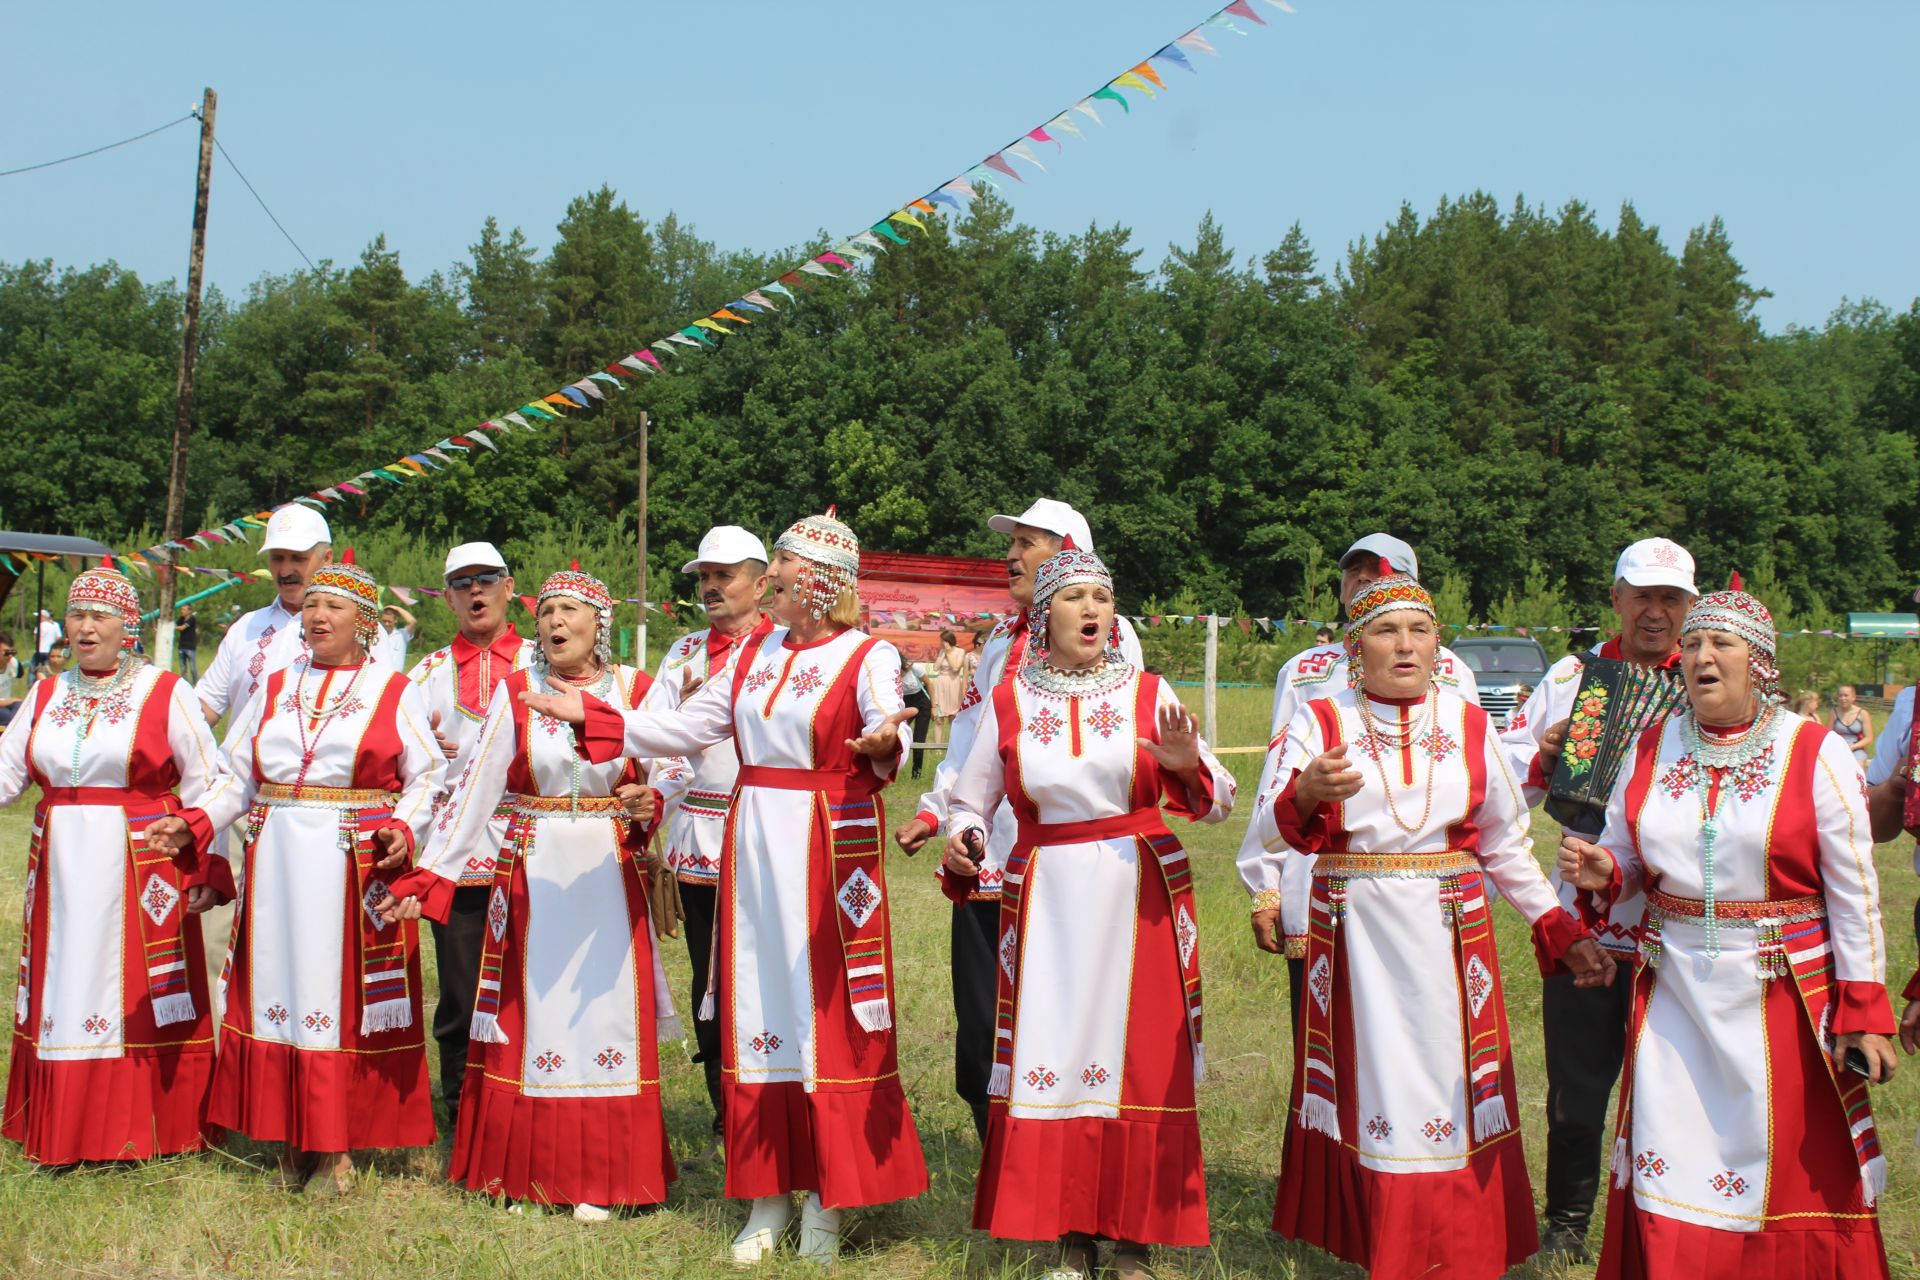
(1145, 81)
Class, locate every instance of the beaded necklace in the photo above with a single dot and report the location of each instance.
(600, 685)
(1725, 755)
(1401, 741)
(323, 716)
(96, 692)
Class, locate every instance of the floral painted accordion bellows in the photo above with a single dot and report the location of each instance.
(1617, 702)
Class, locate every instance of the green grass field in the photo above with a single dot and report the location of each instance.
(219, 1214)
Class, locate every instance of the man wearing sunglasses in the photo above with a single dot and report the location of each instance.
(461, 682)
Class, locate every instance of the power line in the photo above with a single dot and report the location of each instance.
(48, 164)
(263, 205)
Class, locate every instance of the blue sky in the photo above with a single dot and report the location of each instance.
(764, 122)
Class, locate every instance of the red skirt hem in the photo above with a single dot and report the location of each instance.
(321, 1100)
(1137, 1180)
(853, 1148)
(137, 1107)
(1469, 1224)
(603, 1151)
(1650, 1246)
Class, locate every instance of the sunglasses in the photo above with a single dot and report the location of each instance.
(467, 582)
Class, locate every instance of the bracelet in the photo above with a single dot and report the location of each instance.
(1266, 900)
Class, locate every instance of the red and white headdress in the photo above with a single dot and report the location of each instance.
(576, 584)
(1737, 613)
(106, 590)
(1064, 569)
(834, 555)
(1394, 592)
(349, 581)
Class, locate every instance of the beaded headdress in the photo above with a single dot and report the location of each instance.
(833, 555)
(1385, 595)
(1737, 613)
(575, 584)
(106, 590)
(1064, 569)
(349, 581)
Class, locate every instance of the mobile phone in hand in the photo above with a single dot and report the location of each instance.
(1856, 1062)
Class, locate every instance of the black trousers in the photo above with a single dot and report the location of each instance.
(696, 904)
(1586, 1039)
(976, 928)
(456, 947)
(922, 725)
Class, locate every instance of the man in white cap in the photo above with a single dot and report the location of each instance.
(1280, 883)
(460, 683)
(1042, 530)
(730, 568)
(1586, 1028)
(265, 640)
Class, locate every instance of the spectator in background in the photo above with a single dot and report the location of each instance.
(1521, 693)
(10, 673)
(397, 627)
(56, 660)
(1805, 703)
(913, 691)
(186, 637)
(951, 671)
(1852, 723)
(1323, 636)
(46, 635)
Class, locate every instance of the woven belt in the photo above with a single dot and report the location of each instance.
(282, 795)
(1738, 914)
(568, 806)
(1384, 866)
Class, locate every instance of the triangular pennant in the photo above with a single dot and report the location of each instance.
(649, 358)
(485, 441)
(946, 197)
(609, 379)
(564, 401)
(1146, 72)
(1241, 8)
(886, 229)
(1133, 81)
(1172, 54)
(779, 289)
(347, 486)
(586, 384)
(438, 453)
(1063, 123)
(835, 259)
(758, 297)
(999, 164)
(1085, 107)
(909, 219)
(869, 239)
(1110, 92)
(961, 187)
(724, 314)
(1196, 40)
(517, 420)
(922, 205)
(1025, 152)
(1041, 135)
(704, 323)
(815, 269)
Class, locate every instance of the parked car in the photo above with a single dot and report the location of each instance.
(1501, 665)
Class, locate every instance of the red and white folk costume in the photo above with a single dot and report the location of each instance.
(803, 975)
(113, 1035)
(1098, 1044)
(1403, 1150)
(323, 1045)
(695, 818)
(562, 1102)
(1741, 1152)
(460, 682)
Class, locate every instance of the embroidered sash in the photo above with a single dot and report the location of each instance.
(1910, 814)
(23, 989)
(161, 893)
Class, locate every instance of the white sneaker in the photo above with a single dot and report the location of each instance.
(819, 1231)
(590, 1213)
(766, 1223)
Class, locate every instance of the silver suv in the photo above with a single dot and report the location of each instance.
(1501, 666)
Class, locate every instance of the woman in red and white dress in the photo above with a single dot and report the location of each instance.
(323, 1046)
(802, 978)
(1093, 1130)
(1403, 1150)
(1746, 1144)
(562, 1101)
(113, 1033)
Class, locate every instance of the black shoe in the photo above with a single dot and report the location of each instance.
(453, 1119)
(1570, 1242)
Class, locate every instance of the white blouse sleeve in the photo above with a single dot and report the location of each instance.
(1847, 875)
(238, 749)
(1220, 784)
(1506, 848)
(206, 783)
(461, 827)
(960, 734)
(423, 765)
(981, 783)
(15, 776)
(1299, 743)
(702, 721)
(669, 775)
(878, 689)
(1260, 868)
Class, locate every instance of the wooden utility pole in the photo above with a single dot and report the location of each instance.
(183, 399)
(640, 639)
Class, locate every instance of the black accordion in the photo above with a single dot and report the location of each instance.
(1617, 702)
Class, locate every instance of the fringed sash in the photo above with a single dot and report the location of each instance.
(1463, 904)
(1148, 828)
(1910, 812)
(36, 848)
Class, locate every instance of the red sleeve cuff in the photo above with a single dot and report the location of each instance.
(1181, 801)
(957, 888)
(1553, 933)
(604, 734)
(1913, 987)
(1862, 1006)
(1310, 836)
(1596, 905)
(215, 873)
(931, 821)
(1535, 778)
(435, 892)
(406, 833)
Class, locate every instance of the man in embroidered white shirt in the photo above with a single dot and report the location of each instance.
(265, 640)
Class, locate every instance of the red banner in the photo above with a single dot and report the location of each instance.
(909, 600)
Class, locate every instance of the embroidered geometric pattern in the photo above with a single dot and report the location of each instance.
(549, 1062)
(1007, 941)
(1320, 982)
(805, 681)
(765, 1042)
(1519, 720)
(1438, 745)
(497, 914)
(1045, 726)
(276, 1013)
(1438, 1129)
(1680, 778)
(1378, 1129)
(1371, 745)
(760, 679)
(1479, 984)
(95, 1025)
(1650, 1164)
(1042, 1079)
(1094, 1075)
(609, 1058)
(318, 1021)
(1728, 1183)
(1186, 933)
(1103, 720)
(859, 897)
(376, 894)
(158, 898)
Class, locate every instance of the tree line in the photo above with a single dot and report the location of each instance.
(1517, 391)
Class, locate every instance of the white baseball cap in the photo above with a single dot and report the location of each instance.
(726, 544)
(474, 555)
(295, 527)
(1656, 562)
(1054, 517)
(1393, 550)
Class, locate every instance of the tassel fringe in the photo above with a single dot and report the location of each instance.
(707, 1010)
(168, 1010)
(20, 1013)
(386, 1015)
(1000, 1081)
(874, 1015)
(1320, 1114)
(1873, 1180)
(485, 1028)
(1199, 1062)
(669, 1028)
(1620, 1162)
(1490, 1117)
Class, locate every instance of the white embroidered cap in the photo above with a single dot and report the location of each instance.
(726, 544)
(295, 527)
(1656, 562)
(474, 555)
(1055, 517)
(1395, 552)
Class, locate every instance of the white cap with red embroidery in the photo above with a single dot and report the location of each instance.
(1656, 562)
(1055, 517)
(295, 528)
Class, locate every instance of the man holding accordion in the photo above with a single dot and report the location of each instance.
(1598, 702)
